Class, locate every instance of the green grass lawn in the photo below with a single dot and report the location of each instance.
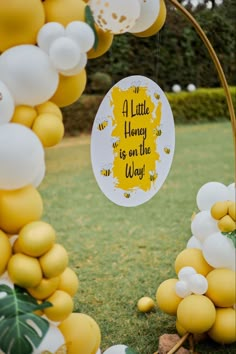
(121, 254)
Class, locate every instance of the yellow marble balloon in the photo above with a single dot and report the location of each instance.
(20, 21)
(64, 11)
(70, 89)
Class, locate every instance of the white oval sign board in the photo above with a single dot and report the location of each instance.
(133, 141)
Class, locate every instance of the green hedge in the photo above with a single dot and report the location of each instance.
(202, 105)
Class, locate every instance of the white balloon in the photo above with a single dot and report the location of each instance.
(40, 176)
(115, 16)
(52, 341)
(210, 193)
(99, 351)
(148, 14)
(48, 33)
(80, 66)
(232, 192)
(21, 155)
(64, 53)
(198, 284)
(193, 242)
(176, 88)
(28, 74)
(203, 225)
(82, 33)
(6, 280)
(191, 87)
(7, 104)
(185, 273)
(182, 289)
(116, 349)
(218, 250)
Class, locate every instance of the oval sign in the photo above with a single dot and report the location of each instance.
(133, 141)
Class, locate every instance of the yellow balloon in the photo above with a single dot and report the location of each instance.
(105, 40)
(70, 89)
(192, 257)
(157, 25)
(167, 299)
(145, 304)
(64, 11)
(224, 328)
(54, 262)
(24, 270)
(196, 313)
(6, 252)
(181, 331)
(19, 207)
(68, 282)
(49, 129)
(222, 287)
(20, 21)
(62, 306)
(81, 333)
(49, 107)
(24, 115)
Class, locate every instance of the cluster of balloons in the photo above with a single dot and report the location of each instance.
(44, 49)
(202, 296)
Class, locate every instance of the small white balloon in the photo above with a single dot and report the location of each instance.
(232, 192)
(64, 53)
(48, 33)
(198, 284)
(52, 341)
(148, 14)
(29, 75)
(77, 69)
(7, 104)
(210, 193)
(191, 87)
(193, 242)
(116, 349)
(182, 289)
(203, 225)
(6, 280)
(115, 16)
(99, 351)
(218, 250)
(21, 155)
(82, 33)
(186, 272)
(176, 88)
(40, 176)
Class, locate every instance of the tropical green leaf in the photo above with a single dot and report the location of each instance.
(90, 21)
(231, 236)
(130, 351)
(20, 329)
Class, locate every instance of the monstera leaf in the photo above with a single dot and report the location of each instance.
(130, 351)
(231, 235)
(20, 329)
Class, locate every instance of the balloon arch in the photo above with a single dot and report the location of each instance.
(44, 50)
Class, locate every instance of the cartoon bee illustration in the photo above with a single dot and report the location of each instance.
(136, 87)
(106, 170)
(167, 150)
(102, 124)
(115, 142)
(127, 195)
(156, 95)
(153, 176)
(157, 132)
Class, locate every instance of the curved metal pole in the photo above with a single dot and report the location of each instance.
(219, 69)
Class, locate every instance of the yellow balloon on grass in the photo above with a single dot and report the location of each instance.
(145, 304)
(49, 107)
(44, 289)
(105, 40)
(224, 328)
(49, 129)
(70, 89)
(167, 299)
(24, 115)
(68, 282)
(81, 333)
(36, 238)
(62, 306)
(24, 271)
(54, 262)
(157, 25)
(192, 257)
(20, 21)
(19, 207)
(196, 313)
(222, 287)
(64, 11)
(5, 249)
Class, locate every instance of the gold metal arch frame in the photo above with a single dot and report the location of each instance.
(218, 67)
